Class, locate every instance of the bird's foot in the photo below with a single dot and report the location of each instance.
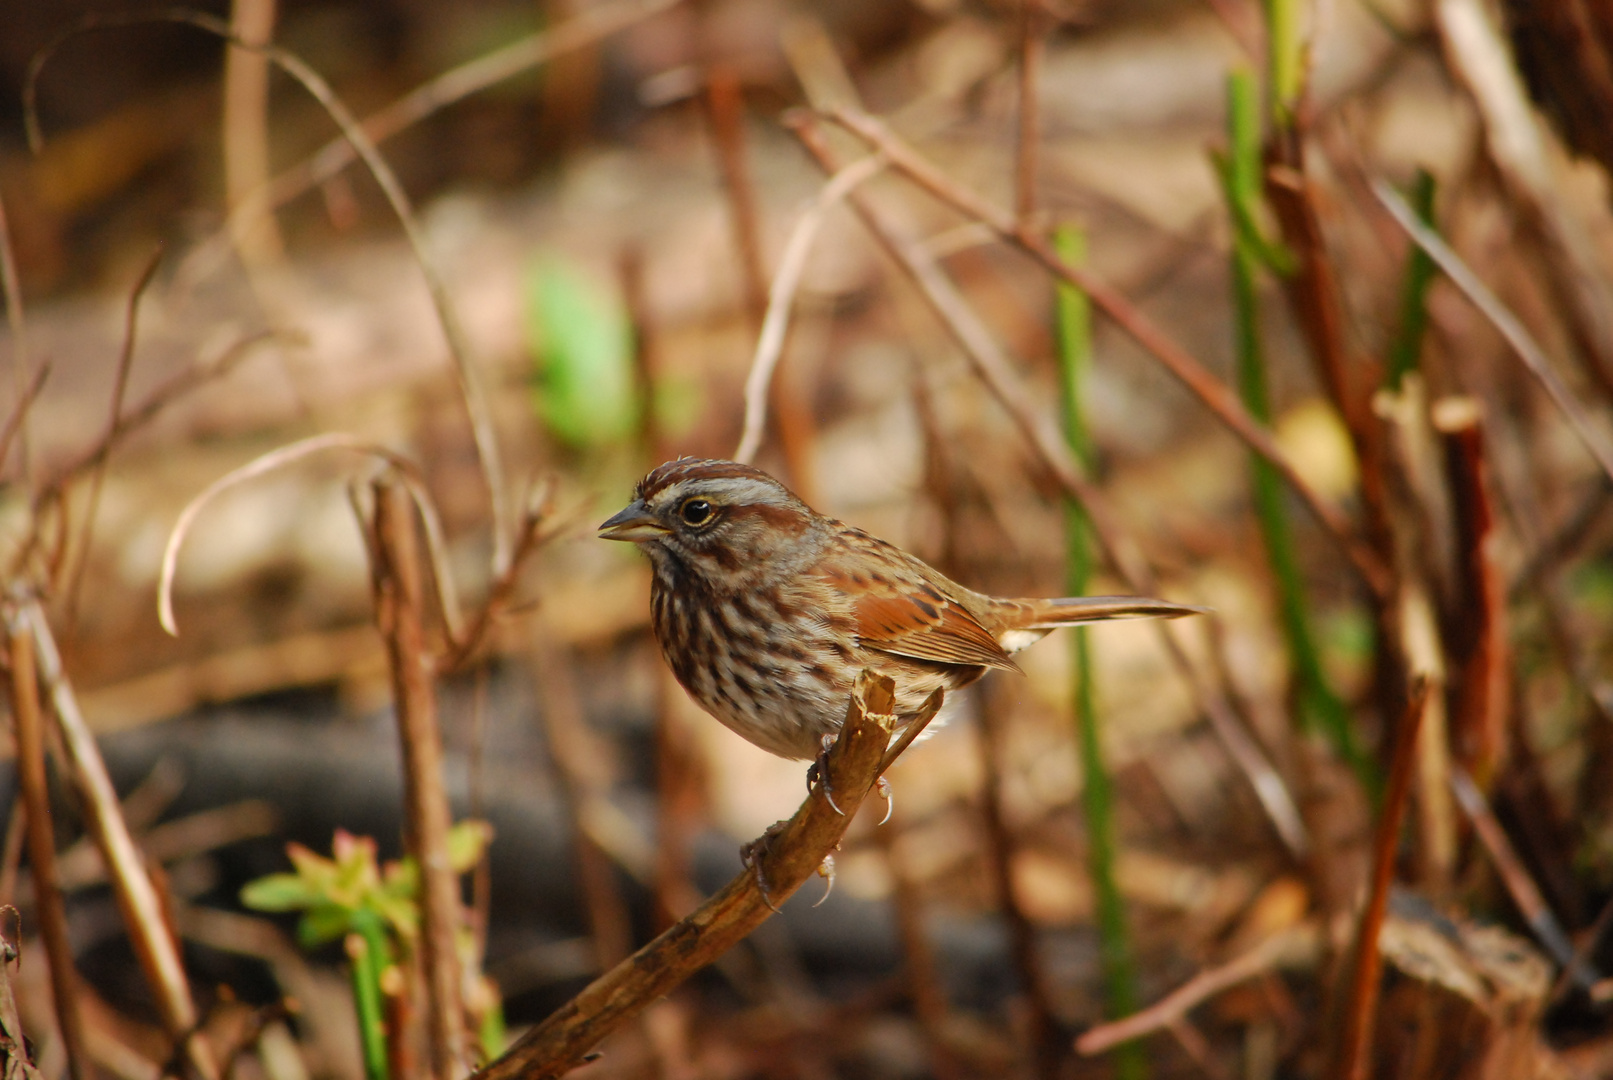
(752, 855)
(818, 774)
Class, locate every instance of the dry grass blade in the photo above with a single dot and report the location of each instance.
(447, 595)
(1501, 317)
(794, 853)
(469, 380)
(792, 264)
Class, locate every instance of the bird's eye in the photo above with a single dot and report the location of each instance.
(695, 512)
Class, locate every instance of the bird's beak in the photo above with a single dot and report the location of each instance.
(633, 522)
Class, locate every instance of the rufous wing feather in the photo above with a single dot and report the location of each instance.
(927, 626)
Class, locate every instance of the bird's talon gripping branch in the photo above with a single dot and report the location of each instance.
(818, 774)
(752, 855)
(887, 793)
(826, 870)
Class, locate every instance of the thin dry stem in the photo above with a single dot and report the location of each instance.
(11, 849)
(24, 382)
(792, 264)
(1477, 625)
(120, 387)
(436, 545)
(1028, 157)
(246, 133)
(583, 785)
(725, 102)
(1501, 317)
(16, 425)
(1041, 1023)
(29, 727)
(1515, 876)
(138, 902)
(399, 615)
(1168, 1010)
(536, 528)
(149, 407)
(1355, 1040)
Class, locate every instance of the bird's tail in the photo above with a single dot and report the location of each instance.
(1074, 610)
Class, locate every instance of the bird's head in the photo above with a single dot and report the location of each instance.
(724, 523)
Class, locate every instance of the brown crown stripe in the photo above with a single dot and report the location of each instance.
(675, 472)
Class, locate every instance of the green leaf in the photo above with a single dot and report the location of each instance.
(466, 842)
(278, 892)
(324, 922)
(582, 342)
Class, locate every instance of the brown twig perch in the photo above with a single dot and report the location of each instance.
(794, 851)
(399, 606)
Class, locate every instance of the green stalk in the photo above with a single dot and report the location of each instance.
(1074, 330)
(1284, 58)
(367, 954)
(1318, 706)
(492, 1034)
(1420, 270)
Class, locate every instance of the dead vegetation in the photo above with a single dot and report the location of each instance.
(1298, 312)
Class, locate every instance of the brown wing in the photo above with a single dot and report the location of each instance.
(896, 609)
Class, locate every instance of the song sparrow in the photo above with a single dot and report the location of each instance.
(767, 611)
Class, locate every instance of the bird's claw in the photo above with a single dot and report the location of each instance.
(826, 870)
(818, 775)
(752, 855)
(886, 792)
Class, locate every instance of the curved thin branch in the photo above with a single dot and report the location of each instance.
(792, 264)
(447, 595)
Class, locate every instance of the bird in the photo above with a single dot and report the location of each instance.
(767, 611)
